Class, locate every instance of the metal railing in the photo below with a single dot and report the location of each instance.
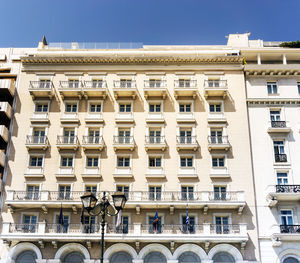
(31, 139)
(123, 139)
(155, 83)
(155, 139)
(288, 188)
(215, 83)
(278, 124)
(92, 140)
(99, 84)
(41, 85)
(218, 139)
(290, 229)
(281, 158)
(65, 195)
(185, 83)
(121, 229)
(71, 84)
(224, 229)
(223, 196)
(126, 84)
(23, 228)
(186, 139)
(67, 140)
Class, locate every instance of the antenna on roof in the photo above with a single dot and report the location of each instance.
(44, 41)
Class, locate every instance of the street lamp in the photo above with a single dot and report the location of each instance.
(103, 208)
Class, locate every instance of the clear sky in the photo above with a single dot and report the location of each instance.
(24, 22)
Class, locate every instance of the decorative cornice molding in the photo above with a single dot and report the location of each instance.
(131, 60)
(277, 72)
(266, 101)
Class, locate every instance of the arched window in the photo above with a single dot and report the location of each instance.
(73, 257)
(155, 257)
(26, 257)
(121, 257)
(189, 257)
(291, 260)
(223, 257)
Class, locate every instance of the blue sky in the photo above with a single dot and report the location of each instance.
(149, 21)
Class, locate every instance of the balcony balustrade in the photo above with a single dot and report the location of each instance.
(185, 88)
(198, 232)
(123, 143)
(71, 89)
(125, 88)
(67, 142)
(290, 229)
(92, 142)
(95, 88)
(7, 88)
(187, 143)
(37, 142)
(279, 127)
(281, 158)
(218, 143)
(155, 88)
(215, 88)
(283, 192)
(283, 188)
(155, 143)
(38, 89)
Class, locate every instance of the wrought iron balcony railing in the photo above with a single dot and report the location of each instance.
(281, 158)
(278, 124)
(290, 229)
(284, 188)
(36, 140)
(224, 229)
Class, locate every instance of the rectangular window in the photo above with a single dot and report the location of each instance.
(123, 189)
(33, 192)
(125, 83)
(216, 136)
(275, 115)
(64, 192)
(64, 227)
(184, 83)
(36, 161)
(89, 224)
(45, 84)
(222, 224)
(123, 161)
(286, 217)
(282, 178)
(154, 107)
(298, 85)
(73, 83)
(187, 192)
(30, 223)
(92, 162)
(67, 161)
(154, 161)
(97, 83)
(95, 108)
(218, 161)
(186, 161)
(155, 192)
(41, 107)
(214, 107)
(70, 107)
(188, 224)
(154, 83)
(272, 87)
(91, 188)
(124, 107)
(185, 108)
(220, 192)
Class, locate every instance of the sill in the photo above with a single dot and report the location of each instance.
(91, 175)
(28, 175)
(155, 175)
(65, 175)
(224, 175)
(282, 163)
(187, 175)
(119, 175)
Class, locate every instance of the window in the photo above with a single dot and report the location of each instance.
(123, 227)
(91, 188)
(124, 136)
(216, 136)
(286, 217)
(32, 192)
(155, 108)
(275, 115)
(185, 135)
(213, 83)
(97, 83)
(92, 162)
(218, 162)
(272, 87)
(69, 135)
(73, 83)
(154, 135)
(41, 107)
(154, 161)
(222, 226)
(45, 84)
(214, 108)
(280, 156)
(36, 161)
(71, 107)
(64, 227)
(89, 223)
(67, 161)
(186, 161)
(94, 136)
(123, 189)
(38, 135)
(184, 83)
(154, 228)
(95, 108)
(64, 192)
(123, 161)
(187, 192)
(30, 223)
(124, 107)
(125, 83)
(154, 83)
(298, 85)
(155, 192)
(282, 178)
(219, 192)
(188, 224)
(185, 107)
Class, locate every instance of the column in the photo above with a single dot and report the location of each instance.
(258, 59)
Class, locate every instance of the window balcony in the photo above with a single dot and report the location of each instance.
(279, 127)
(187, 143)
(283, 192)
(185, 117)
(155, 88)
(155, 172)
(219, 172)
(125, 88)
(34, 172)
(2, 158)
(67, 142)
(155, 117)
(92, 143)
(216, 117)
(37, 142)
(94, 117)
(290, 229)
(281, 158)
(3, 135)
(123, 143)
(215, 88)
(185, 88)
(155, 143)
(7, 88)
(187, 172)
(69, 117)
(218, 143)
(123, 172)
(41, 89)
(91, 172)
(5, 112)
(71, 89)
(40, 117)
(95, 89)
(234, 233)
(124, 117)
(65, 172)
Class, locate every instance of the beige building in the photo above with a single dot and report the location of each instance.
(167, 125)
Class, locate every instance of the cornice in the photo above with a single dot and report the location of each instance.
(272, 70)
(272, 101)
(28, 60)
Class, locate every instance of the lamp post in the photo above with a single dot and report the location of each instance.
(103, 208)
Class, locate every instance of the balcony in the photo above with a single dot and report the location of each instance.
(218, 143)
(40, 117)
(5, 112)
(155, 143)
(69, 117)
(95, 89)
(187, 143)
(34, 172)
(125, 88)
(7, 88)
(37, 142)
(67, 142)
(155, 88)
(215, 88)
(124, 117)
(187, 172)
(279, 127)
(94, 117)
(290, 229)
(155, 172)
(206, 232)
(283, 192)
(41, 89)
(71, 89)
(2, 159)
(185, 88)
(92, 143)
(123, 143)
(216, 117)
(3, 135)
(155, 117)
(281, 158)
(290, 233)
